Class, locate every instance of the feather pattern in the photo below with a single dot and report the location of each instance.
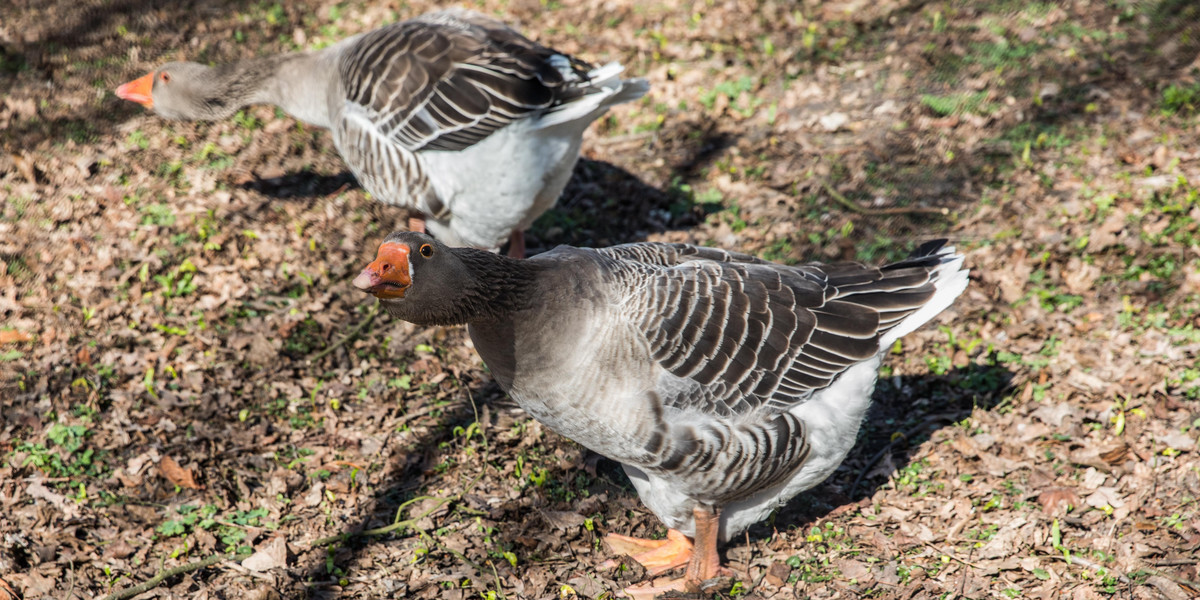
(715, 378)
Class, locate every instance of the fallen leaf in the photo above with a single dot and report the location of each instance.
(69, 509)
(272, 555)
(1168, 588)
(1177, 441)
(1115, 455)
(1105, 496)
(778, 573)
(10, 336)
(176, 474)
(1055, 498)
(6, 591)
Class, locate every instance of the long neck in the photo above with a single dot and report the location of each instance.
(487, 288)
(500, 286)
(298, 83)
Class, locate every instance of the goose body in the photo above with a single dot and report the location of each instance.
(452, 114)
(725, 385)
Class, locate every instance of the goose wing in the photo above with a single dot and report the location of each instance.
(752, 333)
(447, 80)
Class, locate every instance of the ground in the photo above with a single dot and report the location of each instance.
(186, 373)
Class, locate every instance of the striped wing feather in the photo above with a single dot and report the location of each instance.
(752, 332)
(448, 80)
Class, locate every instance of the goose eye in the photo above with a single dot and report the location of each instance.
(426, 250)
(165, 77)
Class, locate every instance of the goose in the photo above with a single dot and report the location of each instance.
(724, 384)
(452, 114)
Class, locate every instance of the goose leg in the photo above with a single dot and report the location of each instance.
(516, 244)
(416, 224)
(704, 563)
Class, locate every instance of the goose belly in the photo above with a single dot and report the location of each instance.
(832, 419)
(585, 382)
(502, 183)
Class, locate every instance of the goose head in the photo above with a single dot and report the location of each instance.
(182, 90)
(421, 280)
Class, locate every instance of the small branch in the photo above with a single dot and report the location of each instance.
(1174, 562)
(71, 589)
(951, 556)
(349, 336)
(395, 525)
(142, 588)
(400, 524)
(899, 210)
(1091, 565)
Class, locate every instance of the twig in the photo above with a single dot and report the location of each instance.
(349, 336)
(475, 410)
(899, 210)
(162, 575)
(1175, 578)
(1174, 562)
(416, 414)
(71, 588)
(345, 537)
(904, 435)
(962, 586)
(1091, 565)
(499, 588)
(951, 557)
(399, 524)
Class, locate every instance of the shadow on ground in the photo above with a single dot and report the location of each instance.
(907, 411)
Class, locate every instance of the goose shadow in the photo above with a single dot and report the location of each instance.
(916, 406)
(906, 411)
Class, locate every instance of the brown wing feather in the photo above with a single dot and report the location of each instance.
(448, 80)
(751, 332)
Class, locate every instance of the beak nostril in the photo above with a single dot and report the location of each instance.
(384, 268)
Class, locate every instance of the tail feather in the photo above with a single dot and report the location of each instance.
(949, 280)
(606, 89)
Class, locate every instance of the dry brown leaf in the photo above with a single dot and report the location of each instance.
(7, 592)
(12, 335)
(778, 574)
(1055, 498)
(273, 555)
(1115, 455)
(176, 474)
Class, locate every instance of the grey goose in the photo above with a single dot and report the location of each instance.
(451, 114)
(724, 384)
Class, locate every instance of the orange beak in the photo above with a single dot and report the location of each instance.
(139, 90)
(389, 276)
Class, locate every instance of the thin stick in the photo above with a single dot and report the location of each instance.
(151, 583)
(349, 336)
(950, 556)
(899, 210)
(71, 588)
(1091, 565)
(1174, 562)
(475, 410)
(398, 524)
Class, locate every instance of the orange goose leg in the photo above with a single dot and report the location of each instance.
(516, 244)
(416, 224)
(703, 561)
